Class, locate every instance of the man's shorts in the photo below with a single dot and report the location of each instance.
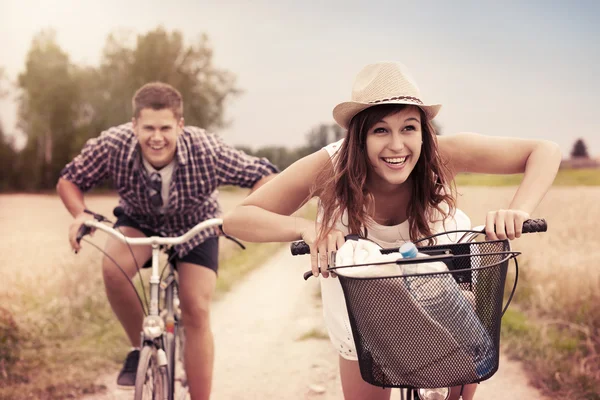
(205, 254)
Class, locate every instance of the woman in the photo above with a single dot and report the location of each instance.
(390, 180)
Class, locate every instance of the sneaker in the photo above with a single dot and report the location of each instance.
(126, 378)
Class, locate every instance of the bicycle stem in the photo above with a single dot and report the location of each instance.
(154, 281)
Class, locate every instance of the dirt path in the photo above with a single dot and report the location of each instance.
(260, 353)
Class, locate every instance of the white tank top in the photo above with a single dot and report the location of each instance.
(335, 312)
(395, 235)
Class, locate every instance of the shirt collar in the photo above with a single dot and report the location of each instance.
(163, 171)
(181, 153)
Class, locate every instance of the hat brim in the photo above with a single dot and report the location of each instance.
(344, 112)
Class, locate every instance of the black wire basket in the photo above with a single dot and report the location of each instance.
(431, 330)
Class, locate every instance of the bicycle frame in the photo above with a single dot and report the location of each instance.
(160, 331)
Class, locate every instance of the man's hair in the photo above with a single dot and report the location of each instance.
(157, 96)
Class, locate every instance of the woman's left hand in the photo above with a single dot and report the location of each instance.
(503, 224)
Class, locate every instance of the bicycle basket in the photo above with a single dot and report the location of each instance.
(431, 330)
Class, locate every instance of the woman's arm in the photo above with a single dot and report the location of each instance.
(537, 159)
(265, 215)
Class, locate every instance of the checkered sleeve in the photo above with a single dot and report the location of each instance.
(90, 166)
(234, 167)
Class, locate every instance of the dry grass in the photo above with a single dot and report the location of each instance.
(555, 324)
(55, 300)
(63, 319)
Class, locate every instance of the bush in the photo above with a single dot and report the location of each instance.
(9, 342)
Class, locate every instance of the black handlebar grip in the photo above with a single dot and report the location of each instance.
(83, 230)
(298, 248)
(307, 275)
(118, 211)
(535, 225)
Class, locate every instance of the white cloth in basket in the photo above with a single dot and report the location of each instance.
(363, 251)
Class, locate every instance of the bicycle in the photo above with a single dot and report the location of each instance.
(162, 335)
(387, 316)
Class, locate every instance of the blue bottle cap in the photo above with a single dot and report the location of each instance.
(408, 250)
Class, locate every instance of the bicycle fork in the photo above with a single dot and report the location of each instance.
(153, 326)
(169, 314)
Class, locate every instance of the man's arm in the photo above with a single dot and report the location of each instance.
(235, 167)
(71, 196)
(85, 171)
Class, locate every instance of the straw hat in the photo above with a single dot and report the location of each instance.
(382, 83)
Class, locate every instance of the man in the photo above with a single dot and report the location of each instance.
(166, 176)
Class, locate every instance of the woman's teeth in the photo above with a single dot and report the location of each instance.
(395, 160)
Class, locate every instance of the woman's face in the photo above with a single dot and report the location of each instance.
(393, 147)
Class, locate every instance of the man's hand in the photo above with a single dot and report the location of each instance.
(74, 228)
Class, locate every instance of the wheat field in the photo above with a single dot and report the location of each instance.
(53, 293)
(562, 263)
(554, 324)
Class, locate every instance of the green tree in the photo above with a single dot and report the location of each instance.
(322, 135)
(579, 150)
(3, 83)
(48, 110)
(437, 127)
(158, 55)
(8, 162)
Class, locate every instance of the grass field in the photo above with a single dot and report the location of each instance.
(554, 322)
(565, 177)
(54, 315)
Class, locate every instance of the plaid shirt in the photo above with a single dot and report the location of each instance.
(203, 163)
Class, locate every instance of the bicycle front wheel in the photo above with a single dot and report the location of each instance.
(174, 345)
(151, 381)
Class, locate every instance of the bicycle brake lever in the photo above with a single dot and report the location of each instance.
(97, 217)
(83, 230)
(231, 238)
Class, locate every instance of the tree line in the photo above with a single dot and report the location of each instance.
(61, 104)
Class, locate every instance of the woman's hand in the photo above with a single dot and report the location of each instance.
(503, 224)
(320, 252)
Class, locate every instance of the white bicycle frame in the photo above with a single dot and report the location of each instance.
(153, 325)
(155, 242)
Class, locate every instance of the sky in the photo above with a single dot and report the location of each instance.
(511, 68)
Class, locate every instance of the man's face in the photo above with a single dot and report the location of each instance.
(157, 132)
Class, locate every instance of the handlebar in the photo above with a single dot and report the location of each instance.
(529, 226)
(96, 223)
(152, 240)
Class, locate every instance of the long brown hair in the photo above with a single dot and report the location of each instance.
(346, 189)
